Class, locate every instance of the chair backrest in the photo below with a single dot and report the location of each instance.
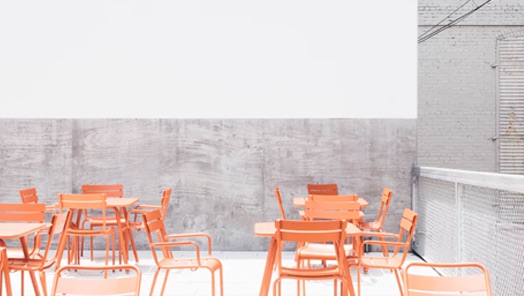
(384, 206)
(333, 210)
(111, 190)
(322, 189)
(90, 280)
(421, 280)
(407, 230)
(279, 202)
(22, 212)
(84, 202)
(333, 231)
(28, 196)
(155, 231)
(164, 204)
(59, 224)
(352, 197)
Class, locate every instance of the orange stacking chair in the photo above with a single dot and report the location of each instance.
(316, 210)
(322, 189)
(42, 261)
(87, 202)
(87, 281)
(29, 196)
(279, 202)
(401, 244)
(110, 190)
(137, 224)
(378, 224)
(473, 284)
(331, 233)
(159, 240)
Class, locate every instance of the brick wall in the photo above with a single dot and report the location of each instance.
(457, 84)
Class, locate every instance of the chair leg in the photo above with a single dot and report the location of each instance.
(43, 282)
(358, 279)
(90, 245)
(399, 282)
(276, 286)
(133, 246)
(35, 283)
(221, 281)
(165, 282)
(154, 282)
(212, 282)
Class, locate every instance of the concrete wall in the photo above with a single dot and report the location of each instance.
(457, 86)
(222, 171)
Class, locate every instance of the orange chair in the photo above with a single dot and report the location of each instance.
(322, 189)
(4, 272)
(401, 245)
(91, 283)
(85, 202)
(381, 217)
(110, 190)
(328, 210)
(137, 224)
(29, 196)
(426, 284)
(158, 239)
(41, 261)
(279, 202)
(24, 213)
(331, 233)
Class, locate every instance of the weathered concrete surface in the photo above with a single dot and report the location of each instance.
(223, 171)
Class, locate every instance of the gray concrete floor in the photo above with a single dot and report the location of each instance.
(242, 277)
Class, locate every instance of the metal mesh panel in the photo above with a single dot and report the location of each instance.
(486, 226)
(436, 232)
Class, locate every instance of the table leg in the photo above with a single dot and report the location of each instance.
(268, 271)
(121, 237)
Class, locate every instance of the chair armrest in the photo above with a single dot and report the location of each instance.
(179, 243)
(140, 210)
(380, 234)
(147, 207)
(196, 234)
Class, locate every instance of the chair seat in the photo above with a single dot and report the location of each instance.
(329, 271)
(110, 220)
(89, 232)
(321, 252)
(211, 263)
(24, 264)
(382, 262)
(370, 226)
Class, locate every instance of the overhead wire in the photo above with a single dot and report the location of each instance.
(451, 24)
(447, 17)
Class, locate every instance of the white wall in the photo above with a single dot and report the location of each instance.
(205, 59)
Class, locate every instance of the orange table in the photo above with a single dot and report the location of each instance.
(268, 229)
(119, 206)
(301, 201)
(19, 230)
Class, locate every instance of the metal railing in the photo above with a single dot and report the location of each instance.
(472, 216)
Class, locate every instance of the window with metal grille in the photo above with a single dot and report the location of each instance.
(511, 103)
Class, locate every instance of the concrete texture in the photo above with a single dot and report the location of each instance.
(223, 171)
